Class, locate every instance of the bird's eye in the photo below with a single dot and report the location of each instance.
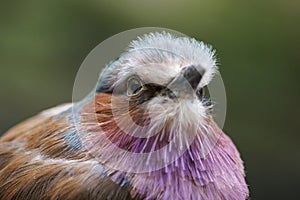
(134, 86)
(200, 92)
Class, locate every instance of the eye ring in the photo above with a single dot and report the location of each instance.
(134, 86)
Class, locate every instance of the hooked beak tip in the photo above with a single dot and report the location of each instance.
(187, 81)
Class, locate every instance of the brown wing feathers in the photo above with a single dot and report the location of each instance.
(42, 158)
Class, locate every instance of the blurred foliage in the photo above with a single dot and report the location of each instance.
(42, 44)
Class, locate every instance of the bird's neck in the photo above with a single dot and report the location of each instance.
(104, 135)
(205, 158)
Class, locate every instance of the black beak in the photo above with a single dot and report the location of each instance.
(186, 82)
(192, 75)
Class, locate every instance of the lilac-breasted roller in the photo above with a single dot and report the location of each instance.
(145, 132)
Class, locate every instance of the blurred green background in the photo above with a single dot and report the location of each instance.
(42, 44)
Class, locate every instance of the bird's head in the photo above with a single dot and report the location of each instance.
(153, 93)
(162, 78)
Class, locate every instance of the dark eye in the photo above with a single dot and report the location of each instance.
(200, 93)
(134, 86)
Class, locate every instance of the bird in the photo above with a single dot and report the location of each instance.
(146, 131)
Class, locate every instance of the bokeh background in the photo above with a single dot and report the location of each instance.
(43, 43)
